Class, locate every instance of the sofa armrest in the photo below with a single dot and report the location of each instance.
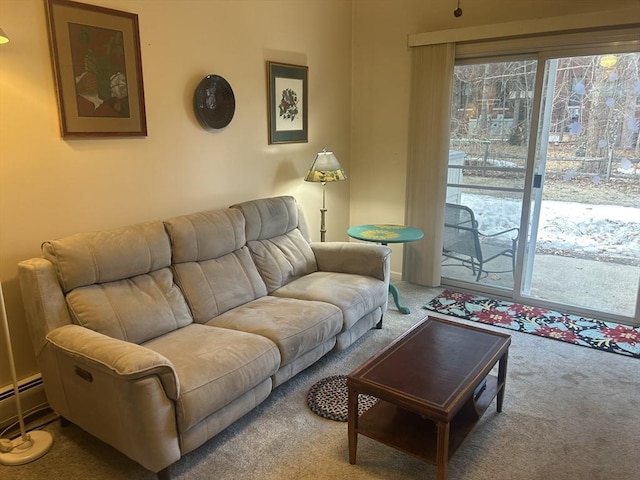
(43, 299)
(94, 351)
(357, 258)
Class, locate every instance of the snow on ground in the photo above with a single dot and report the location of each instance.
(578, 229)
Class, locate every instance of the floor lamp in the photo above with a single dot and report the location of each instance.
(29, 446)
(325, 168)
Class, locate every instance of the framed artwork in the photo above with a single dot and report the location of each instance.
(98, 70)
(288, 103)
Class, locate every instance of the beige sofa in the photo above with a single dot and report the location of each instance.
(155, 337)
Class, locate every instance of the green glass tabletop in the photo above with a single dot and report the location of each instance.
(385, 233)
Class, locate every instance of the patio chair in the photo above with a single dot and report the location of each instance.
(463, 241)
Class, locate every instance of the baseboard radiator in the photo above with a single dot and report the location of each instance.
(32, 397)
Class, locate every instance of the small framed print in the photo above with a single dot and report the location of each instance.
(98, 70)
(288, 103)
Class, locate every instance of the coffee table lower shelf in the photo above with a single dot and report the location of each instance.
(411, 433)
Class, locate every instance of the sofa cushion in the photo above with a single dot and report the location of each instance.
(205, 235)
(214, 366)
(275, 235)
(269, 217)
(282, 259)
(354, 295)
(98, 257)
(212, 265)
(135, 309)
(295, 326)
(117, 282)
(215, 286)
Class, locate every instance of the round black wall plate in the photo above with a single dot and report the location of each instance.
(214, 102)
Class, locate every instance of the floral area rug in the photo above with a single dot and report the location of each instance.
(607, 336)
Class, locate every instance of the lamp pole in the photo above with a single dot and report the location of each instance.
(323, 211)
(30, 445)
(325, 168)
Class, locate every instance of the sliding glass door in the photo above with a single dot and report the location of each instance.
(490, 124)
(584, 239)
(543, 187)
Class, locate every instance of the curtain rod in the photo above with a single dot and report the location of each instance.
(608, 18)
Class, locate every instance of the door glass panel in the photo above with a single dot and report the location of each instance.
(584, 245)
(490, 123)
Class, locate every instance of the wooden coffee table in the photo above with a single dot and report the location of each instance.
(433, 383)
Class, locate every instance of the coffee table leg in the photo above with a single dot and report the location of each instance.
(352, 417)
(442, 452)
(502, 379)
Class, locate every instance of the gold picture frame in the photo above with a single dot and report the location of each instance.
(288, 103)
(98, 70)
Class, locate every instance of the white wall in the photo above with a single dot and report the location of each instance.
(50, 187)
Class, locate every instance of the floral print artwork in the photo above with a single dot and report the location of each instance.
(288, 107)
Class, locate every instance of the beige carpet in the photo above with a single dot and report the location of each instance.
(570, 412)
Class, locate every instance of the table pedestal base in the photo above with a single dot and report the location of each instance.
(393, 290)
(384, 234)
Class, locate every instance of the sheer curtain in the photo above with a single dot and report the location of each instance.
(431, 83)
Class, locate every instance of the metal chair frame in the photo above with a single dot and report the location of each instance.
(464, 242)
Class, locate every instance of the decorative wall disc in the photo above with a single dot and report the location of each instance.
(214, 102)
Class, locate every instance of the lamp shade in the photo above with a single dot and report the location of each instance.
(325, 168)
(3, 37)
